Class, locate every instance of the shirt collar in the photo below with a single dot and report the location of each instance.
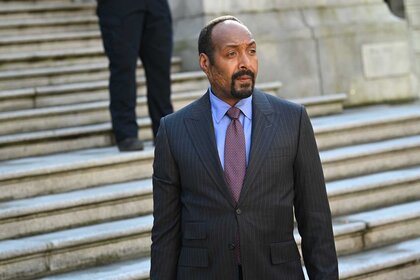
(220, 107)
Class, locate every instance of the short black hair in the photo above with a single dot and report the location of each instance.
(205, 44)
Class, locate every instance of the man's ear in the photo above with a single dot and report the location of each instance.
(204, 62)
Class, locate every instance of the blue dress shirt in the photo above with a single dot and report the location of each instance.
(221, 121)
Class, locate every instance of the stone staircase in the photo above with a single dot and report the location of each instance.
(73, 207)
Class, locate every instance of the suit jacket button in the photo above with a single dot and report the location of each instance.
(231, 246)
(238, 211)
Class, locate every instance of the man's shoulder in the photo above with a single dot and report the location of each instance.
(278, 103)
(190, 109)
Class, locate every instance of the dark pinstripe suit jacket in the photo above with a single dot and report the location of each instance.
(195, 220)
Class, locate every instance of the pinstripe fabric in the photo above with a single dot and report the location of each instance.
(196, 220)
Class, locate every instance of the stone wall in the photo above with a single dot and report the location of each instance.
(315, 47)
(412, 8)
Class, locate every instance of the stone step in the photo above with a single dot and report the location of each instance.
(92, 205)
(64, 94)
(112, 241)
(75, 248)
(65, 74)
(48, 25)
(374, 190)
(54, 212)
(372, 229)
(362, 125)
(64, 172)
(396, 261)
(131, 269)
(50, 41)
(385, 225)
(92, 167)
(370, 158)
(50, 58)
(44, 10)
(22, 121)
(74, 137)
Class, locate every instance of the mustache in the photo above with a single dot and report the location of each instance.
(243, 73)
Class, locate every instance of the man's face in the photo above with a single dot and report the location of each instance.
(235, 66)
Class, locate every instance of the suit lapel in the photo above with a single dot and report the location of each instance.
(200, 128)
(262, 135)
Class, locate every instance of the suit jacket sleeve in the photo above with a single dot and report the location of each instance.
(311, 207)
(167, 209)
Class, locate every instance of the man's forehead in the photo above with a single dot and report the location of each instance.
(231, 32)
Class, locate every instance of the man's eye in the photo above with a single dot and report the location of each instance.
(252, 51)
(231, 54)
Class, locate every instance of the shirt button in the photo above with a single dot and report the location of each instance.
(238, 211)
(232, 246)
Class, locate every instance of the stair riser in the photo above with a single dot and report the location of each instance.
(72, 119)
(334, 170)
(59, 260)
(409, 271)
(52, 44)
(88, 24)
(370, 133)
(67, 77)
(51, 61)
(41, 100)
(376, 198)
(325, 109)
(349, 243)
(76, 217)
(54, 145)
(58, 182)
(391, 233)
(44, 99)
(54, 13)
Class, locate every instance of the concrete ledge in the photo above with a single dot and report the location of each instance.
(324, 104)
(72, 171)
(369, 158)
(96, 69)
(389, 225)
(64, 94)
(369, 124)
(56, 57)
(86, 113)
(132, 269)
(397, 261)
(49, 41)
(44, 25)
(390, 262)
(75, 248)
(374, 190)
(74, 127)
(74, 209)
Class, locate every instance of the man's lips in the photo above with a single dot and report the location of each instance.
(244, 78)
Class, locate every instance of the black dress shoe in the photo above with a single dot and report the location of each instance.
(130, 144)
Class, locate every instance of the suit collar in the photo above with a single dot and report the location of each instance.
(199, 124)
(262, 136)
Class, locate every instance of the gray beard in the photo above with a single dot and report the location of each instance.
(245, 92)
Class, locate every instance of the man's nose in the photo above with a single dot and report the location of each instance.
(244, 61)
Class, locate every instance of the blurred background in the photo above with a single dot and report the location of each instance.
(73, 207)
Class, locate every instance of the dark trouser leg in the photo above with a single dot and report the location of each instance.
(155, 53)
(121, 39)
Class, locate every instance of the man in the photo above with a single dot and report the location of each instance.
(132, 29)
(212, 218)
